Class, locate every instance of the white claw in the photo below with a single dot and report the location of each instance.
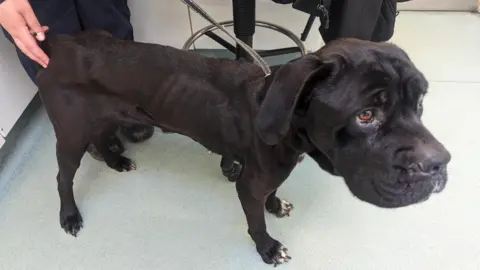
(281, 256)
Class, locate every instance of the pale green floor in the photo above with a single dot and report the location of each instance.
(177, 211)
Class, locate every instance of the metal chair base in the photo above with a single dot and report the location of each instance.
(208, 31)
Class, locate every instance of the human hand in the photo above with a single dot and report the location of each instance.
(19, 20)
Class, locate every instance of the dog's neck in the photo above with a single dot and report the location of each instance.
(262, 91)
(297, 138)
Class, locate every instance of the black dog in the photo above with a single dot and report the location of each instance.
(353, 106)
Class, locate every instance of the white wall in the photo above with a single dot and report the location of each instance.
(449, 5)
(16, 88)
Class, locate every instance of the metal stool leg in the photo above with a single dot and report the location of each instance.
(244, 24)
(244, 28)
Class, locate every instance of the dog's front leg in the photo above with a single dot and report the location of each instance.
(253, 193)
(69, 155)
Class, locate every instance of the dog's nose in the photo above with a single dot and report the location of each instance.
(430, 159)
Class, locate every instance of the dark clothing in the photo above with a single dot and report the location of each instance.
(69, 16)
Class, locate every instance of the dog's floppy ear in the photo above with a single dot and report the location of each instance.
(274, 117)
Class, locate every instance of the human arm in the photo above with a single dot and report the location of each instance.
(18, 19)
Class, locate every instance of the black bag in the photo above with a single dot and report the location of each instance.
(372, 20)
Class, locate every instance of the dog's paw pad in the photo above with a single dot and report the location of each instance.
(72, 223)
(285, 209)
(276, 255)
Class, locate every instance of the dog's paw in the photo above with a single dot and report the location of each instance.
(124, 165)
(275, 254)
(71, 223)
(281, 208)
(285, 208)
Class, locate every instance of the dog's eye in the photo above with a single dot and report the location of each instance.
(366, 116)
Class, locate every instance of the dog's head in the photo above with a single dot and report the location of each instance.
(360, 104)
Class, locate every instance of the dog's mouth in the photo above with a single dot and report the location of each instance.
(437, 181)
(409, 190)
(440, 184)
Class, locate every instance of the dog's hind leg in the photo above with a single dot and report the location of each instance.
(69, 154)
(277, 206)
(69, 115)
(113, 159)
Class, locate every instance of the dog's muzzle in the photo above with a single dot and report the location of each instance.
(371, 179)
